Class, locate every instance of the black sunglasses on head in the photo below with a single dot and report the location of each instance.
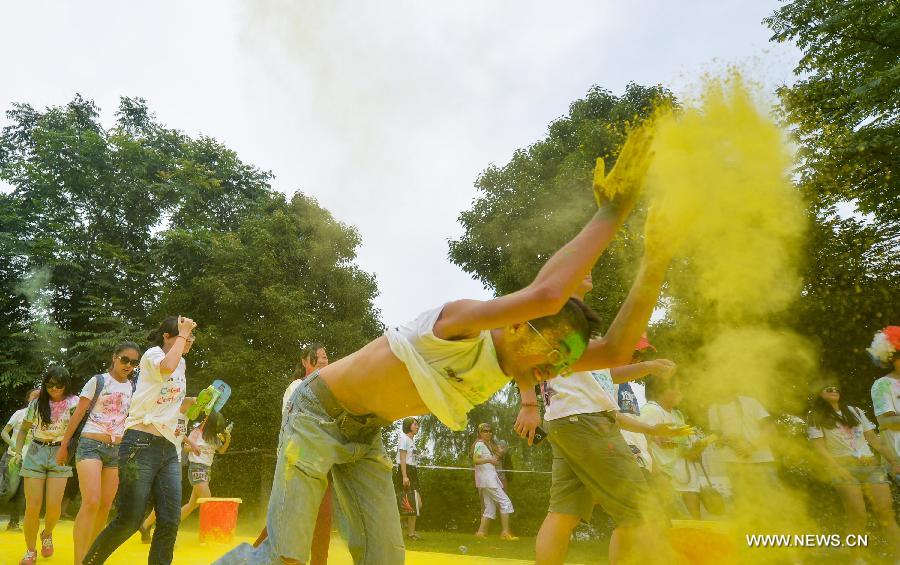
(126, 360)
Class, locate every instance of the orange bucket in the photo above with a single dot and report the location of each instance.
(218, 519)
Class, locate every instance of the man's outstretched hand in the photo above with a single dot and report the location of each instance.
(621, 187)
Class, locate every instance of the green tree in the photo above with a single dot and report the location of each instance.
(845, 109)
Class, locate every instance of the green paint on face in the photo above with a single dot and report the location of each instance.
(576, 345)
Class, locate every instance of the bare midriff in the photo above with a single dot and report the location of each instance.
(374, 381)
(104, 438)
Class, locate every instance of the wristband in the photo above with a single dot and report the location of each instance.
(181, 336)
(529, 404)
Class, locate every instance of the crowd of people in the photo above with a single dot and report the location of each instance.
(449, 359)
(123, 436)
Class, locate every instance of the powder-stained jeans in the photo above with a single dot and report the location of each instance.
(147, 464)
(310, 445)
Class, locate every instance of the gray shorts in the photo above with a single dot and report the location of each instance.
(106, 453)
(40, 463)
(592, 464)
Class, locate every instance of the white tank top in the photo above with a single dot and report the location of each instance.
(450, 376)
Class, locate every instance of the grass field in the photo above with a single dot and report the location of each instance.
(437, 548)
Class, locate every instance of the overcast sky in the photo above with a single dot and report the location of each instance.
(386, 112)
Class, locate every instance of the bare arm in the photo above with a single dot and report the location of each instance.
(616, 347)
(626, 373)
(20, 439)
(7, 429)
(529, 417)
(889, 421)
(170, 362)
(63, 454)
(881, 448)
(832, 466)
(225, 444)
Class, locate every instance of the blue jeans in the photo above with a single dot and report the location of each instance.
(310, 445)
(148, 464)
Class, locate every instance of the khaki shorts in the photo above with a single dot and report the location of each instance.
(592, 464)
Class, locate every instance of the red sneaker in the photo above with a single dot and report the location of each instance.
(46, 545)
(29, 559)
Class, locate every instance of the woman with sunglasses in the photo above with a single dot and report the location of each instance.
(148, 454)
(844, 437)
(97, 455)
(486, 455)
(47, 417)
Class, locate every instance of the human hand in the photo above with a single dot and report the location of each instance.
(621, 187)
(405, 482)
(527, 421)
(663, 368)
(185, 326)
(842, 475)
(671, 430)
(62, 455)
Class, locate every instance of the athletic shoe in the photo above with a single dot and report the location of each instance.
(46, 545)
(506, 536)
(29, 559)
(13, 526)
(146, 535)
(414, 537)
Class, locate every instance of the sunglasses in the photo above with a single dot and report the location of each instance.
(126, 360)
(554, 357)
(831, 389)
(55, 386)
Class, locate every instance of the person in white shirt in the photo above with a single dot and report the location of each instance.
(97, 455)
(843, 437)
(885, 352)
(745, 430)
(407, 471)
(209, 438)
(47, 418)
(593, 465)
(675, 459)
(148, 454)
(9, 434)
(486, 455)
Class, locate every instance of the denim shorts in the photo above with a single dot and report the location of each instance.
(107, 453)
(865, 471)
(198, 473)
(40, 463)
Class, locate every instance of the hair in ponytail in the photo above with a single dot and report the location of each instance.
(168, 326)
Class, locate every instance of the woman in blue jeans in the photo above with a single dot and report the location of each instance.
(148, 458)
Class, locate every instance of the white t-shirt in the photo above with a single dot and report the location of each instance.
(844, 441)
(157, 399)
(451, 376)
(60, 414)
(207, 450)
(109, 413)
(404, 443)
(485, 473)
(729, 421)
(665, 450)
(16, 422)
(886, 398)
(580, 393)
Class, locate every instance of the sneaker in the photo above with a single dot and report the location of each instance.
(415, 537)
(13, 527)
(146, 535)
(29, 559)
(46, 545)
(506, 536)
